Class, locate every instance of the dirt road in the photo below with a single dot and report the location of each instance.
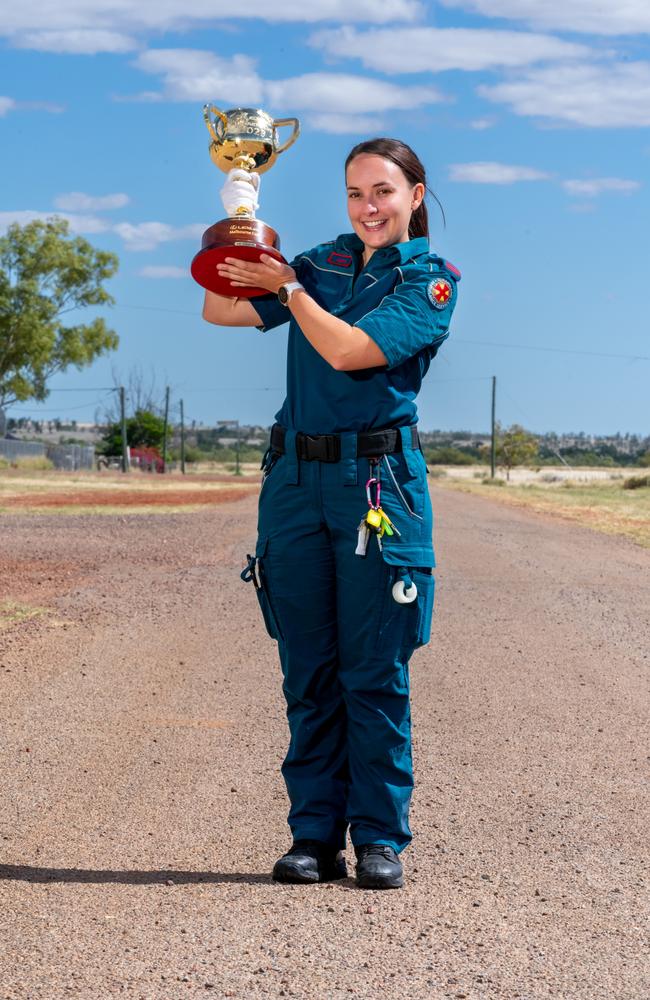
(142, 807)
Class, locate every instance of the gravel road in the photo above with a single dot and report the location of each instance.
(142, 731)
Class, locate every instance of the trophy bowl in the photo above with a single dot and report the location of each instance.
(243, 140)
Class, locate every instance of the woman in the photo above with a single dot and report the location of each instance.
(344, 556)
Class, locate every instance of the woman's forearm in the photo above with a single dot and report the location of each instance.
(225, 311)
(344, 347)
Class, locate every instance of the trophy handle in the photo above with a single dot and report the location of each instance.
(279, 122)
(207, 108)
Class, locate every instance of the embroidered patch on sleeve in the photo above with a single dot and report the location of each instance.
(439, 292)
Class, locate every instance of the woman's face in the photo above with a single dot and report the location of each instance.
(380, 200)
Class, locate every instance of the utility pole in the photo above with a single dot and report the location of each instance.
(182, 439)
(234, 423)
(125, 447)
(164, 454)
(493, 455)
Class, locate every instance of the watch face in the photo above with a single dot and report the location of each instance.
(283, 294)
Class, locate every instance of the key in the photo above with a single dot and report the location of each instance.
(387, 524)
(373, 519)
(363, 537)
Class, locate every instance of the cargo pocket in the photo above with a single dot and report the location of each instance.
(417, 615)
(425, 583)
(255, 572)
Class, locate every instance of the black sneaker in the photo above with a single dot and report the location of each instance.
(310, 861)
(378, 867)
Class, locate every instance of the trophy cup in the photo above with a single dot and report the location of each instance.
(244, 145)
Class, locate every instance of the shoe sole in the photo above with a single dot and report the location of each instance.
(368, 882)
(297, 877)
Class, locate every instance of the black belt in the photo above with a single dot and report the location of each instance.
(327, 447)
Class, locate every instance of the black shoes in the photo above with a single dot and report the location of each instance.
(310, 861)
(378, 867)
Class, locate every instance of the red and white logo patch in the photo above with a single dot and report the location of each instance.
(439, 292)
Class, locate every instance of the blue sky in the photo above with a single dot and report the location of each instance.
(532, 117)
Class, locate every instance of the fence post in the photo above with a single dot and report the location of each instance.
(493, 454)
(125, 447)
(164, 454)
(182, 439)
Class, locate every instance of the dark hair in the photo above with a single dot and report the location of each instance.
(412, 168)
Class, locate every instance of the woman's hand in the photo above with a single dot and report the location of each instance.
(269, 273)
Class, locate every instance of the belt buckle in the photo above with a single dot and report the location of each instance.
(322, 447)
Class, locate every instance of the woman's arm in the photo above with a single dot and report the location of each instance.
(344, 347)
(225, 311)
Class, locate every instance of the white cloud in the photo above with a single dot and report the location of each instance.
(481, 124)
(434, 50)
(77, 41)
(6, 104)
(346, 94)
(77, 201)
(149, 235)
(136, 236)
(78, 223)
(197, 75)
(592, 187)
(163, 271)
(339, 124)
(622, 17)
(110, 25)
(339, 101)
(485, 172)
(601, 96)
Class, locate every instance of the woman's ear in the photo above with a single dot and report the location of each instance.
(417, 196)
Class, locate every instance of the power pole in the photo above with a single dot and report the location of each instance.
(493, 456)
(125, 447)
(164, 454)
(182, 439)
(237, 468)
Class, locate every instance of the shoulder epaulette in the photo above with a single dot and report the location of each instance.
(438, 264)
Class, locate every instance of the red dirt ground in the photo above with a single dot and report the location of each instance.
(124, 498)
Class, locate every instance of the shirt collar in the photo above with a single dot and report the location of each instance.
(397, 253)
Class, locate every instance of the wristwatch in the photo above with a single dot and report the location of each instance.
(286, 291)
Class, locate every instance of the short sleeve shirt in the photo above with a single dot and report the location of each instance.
(403, 299)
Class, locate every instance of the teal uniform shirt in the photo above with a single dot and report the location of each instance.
(403, 299)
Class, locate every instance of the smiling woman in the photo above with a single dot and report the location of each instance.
(349, 600)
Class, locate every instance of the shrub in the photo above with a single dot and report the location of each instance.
(493, 482)
(32, 463)
(636, 482)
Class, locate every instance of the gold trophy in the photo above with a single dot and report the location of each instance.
(244, 145)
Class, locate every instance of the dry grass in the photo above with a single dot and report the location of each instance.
(12, 612)
(603, 505)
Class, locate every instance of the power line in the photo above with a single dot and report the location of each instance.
(554, 350)
(455, 340)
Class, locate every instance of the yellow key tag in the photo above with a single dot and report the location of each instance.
(373, 518)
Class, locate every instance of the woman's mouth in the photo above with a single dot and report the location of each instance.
(375, 225)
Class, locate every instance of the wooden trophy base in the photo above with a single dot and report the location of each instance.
(246, 239)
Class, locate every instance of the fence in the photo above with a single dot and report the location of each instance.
(63, 456)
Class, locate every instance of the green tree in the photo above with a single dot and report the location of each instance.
(515, 446)
(44, 274)
(144, 428)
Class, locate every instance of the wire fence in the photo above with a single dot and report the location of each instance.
(71, 457)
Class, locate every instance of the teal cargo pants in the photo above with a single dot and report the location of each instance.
(344, 641)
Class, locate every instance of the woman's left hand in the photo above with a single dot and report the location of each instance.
(269, 273)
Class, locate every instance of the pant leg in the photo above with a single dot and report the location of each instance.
(376, 637)
(298, 568)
